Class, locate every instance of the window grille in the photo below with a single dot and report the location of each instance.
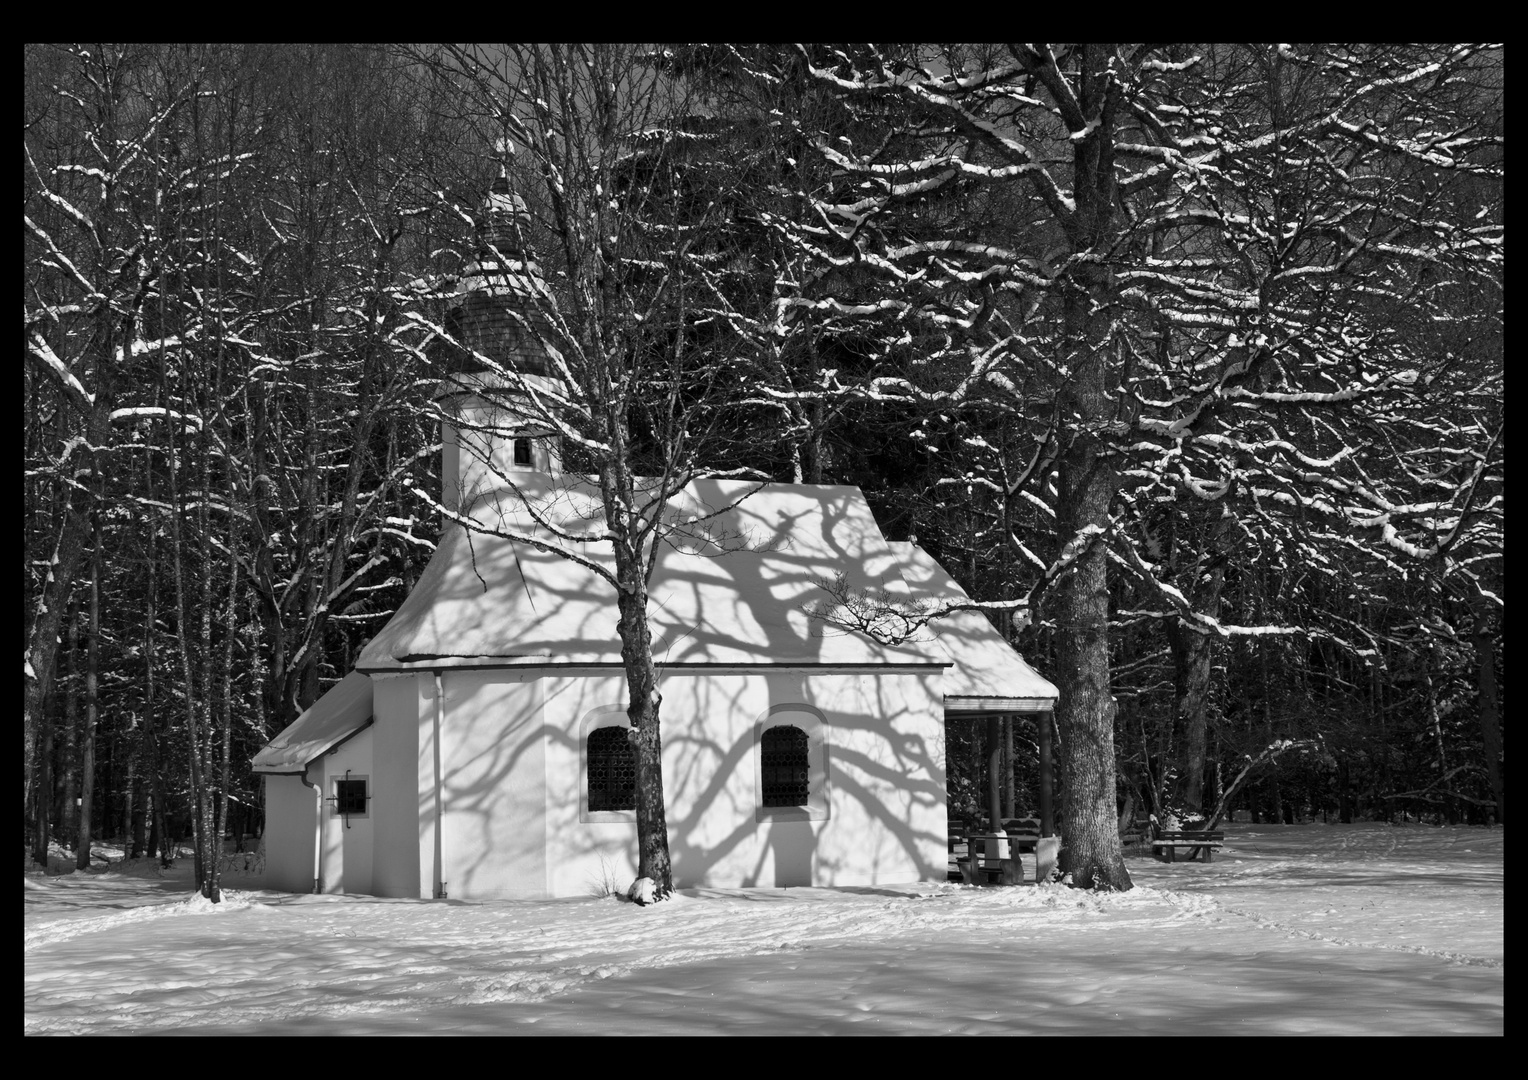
(784, 761)
(612, 770)
(350, 796)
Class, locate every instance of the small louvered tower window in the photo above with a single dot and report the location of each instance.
(612, 770)
(784, 764)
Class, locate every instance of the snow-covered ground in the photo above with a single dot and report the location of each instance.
(1303, 929)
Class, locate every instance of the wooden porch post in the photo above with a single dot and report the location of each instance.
(1047, 812)
(994, 771)
(1009, 810)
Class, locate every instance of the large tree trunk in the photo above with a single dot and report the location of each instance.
(643, 712)
(1091, 850)
(643, 698)
(1088, 484)
(1084, 713)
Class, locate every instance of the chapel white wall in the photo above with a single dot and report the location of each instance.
(479, 451)
(348, 851)
(494, 785)
(400, 814)
(288, 836)
(885, 774)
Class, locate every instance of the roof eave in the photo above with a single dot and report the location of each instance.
(488, 663)
(962, 704)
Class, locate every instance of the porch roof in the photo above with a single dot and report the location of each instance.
(332, 719)
(988, 674)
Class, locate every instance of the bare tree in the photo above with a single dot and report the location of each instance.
(635, 367)
(219, 373)
(1206, 252)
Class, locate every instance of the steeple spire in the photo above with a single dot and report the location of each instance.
(502, 223)
(499, 284)
(500, 316)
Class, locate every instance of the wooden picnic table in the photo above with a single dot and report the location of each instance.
(1195, 841)
(986, 857)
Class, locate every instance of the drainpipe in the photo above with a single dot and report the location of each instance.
(440, 816)
(318, 830)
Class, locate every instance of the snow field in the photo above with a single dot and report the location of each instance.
(1363, 929)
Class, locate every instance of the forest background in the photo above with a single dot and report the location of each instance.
(1186, 360)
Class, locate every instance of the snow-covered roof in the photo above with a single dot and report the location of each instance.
(732, 587)
(332, 719)
(988, 674)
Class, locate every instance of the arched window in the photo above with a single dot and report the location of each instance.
(784, 766)
(790, 764)
(612, 770)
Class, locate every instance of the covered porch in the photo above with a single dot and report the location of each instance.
(1000, 793)
(989, 691)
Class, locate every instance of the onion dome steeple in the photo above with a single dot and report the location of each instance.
(502, 221)
(498, 420)
(501, 295)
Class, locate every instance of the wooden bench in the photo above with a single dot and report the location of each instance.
(1194, 841)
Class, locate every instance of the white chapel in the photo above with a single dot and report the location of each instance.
(478, 749)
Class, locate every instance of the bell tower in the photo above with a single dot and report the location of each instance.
(500, 385)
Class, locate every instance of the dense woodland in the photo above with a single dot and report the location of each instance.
(1185, 360)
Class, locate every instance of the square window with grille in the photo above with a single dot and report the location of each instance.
(350, 796)
(612, 770)
(784, 764)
